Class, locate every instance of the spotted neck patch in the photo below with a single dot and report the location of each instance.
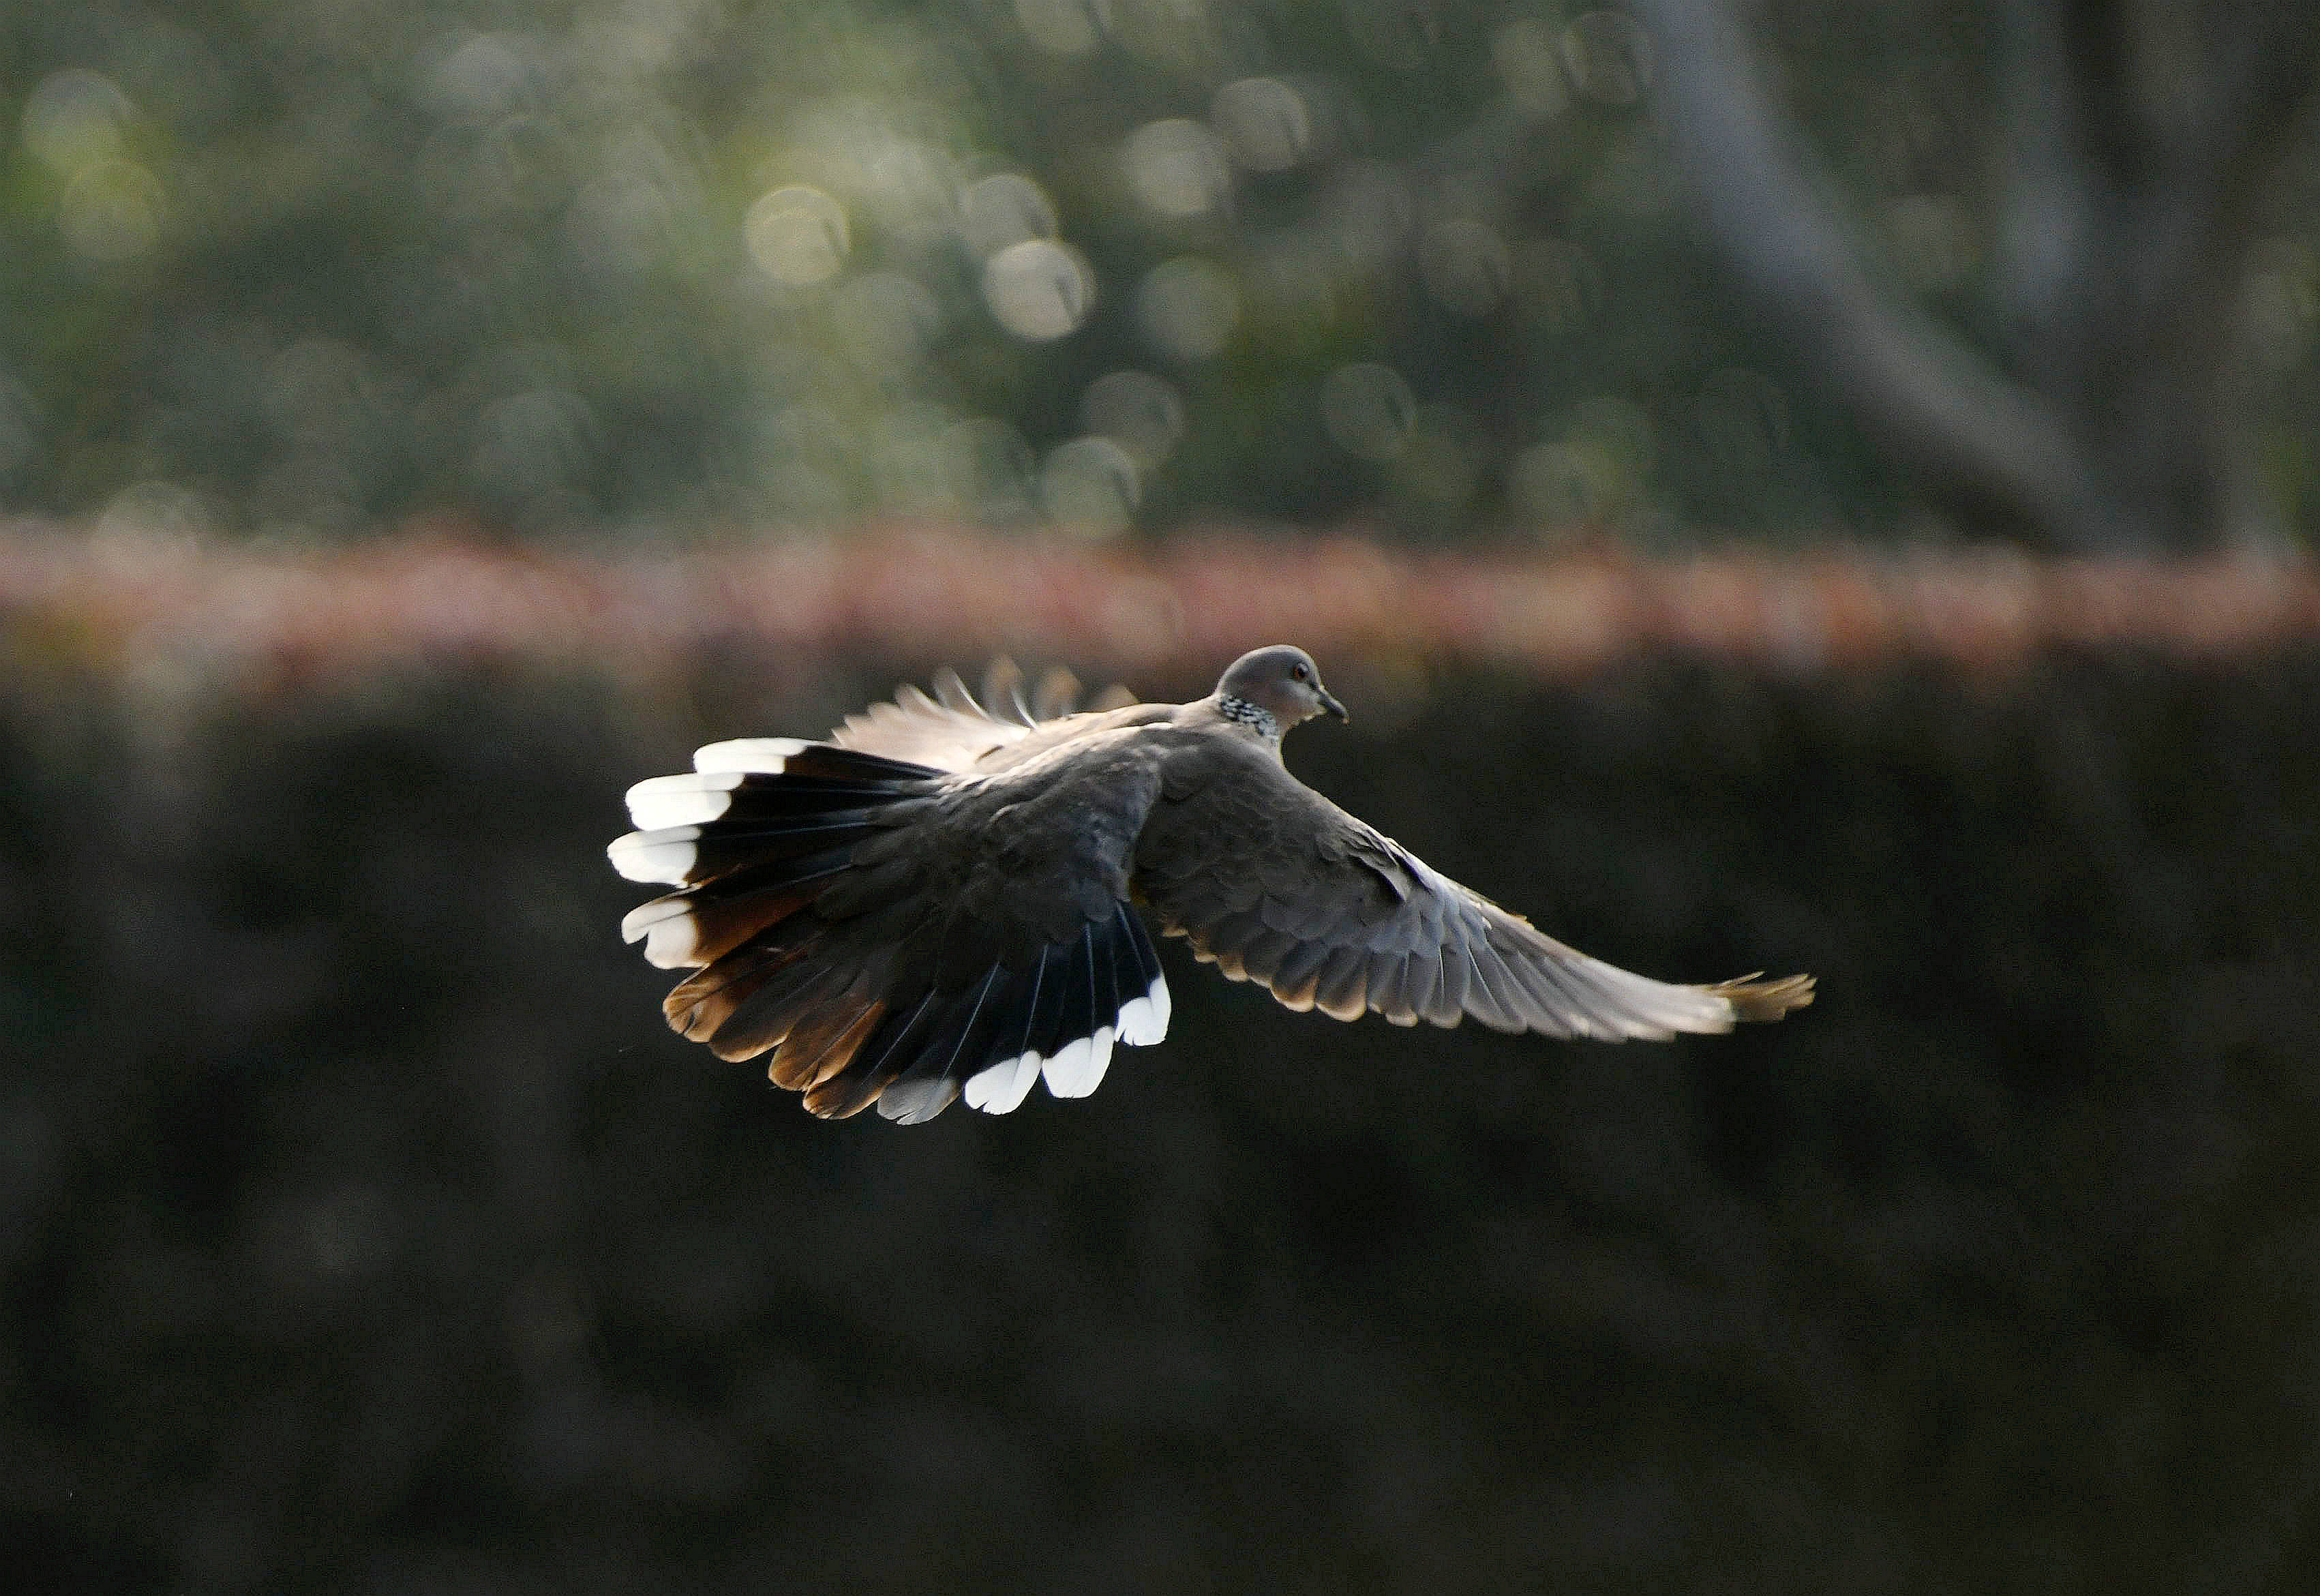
(1246, 713)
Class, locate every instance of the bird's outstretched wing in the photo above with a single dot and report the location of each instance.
(1273, 883)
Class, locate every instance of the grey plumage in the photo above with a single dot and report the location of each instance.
(939, 900)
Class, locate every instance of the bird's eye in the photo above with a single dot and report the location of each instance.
(1300, 671)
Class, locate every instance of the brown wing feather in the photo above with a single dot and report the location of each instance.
(1272, 881)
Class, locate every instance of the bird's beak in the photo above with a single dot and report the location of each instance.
(1329, 703)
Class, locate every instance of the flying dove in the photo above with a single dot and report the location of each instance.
(941, 901)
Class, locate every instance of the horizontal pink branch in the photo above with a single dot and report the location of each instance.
(1164, 616)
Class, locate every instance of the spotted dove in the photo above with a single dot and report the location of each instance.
(941, 901)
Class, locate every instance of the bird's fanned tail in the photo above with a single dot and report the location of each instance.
(797, 928)
(751, 838)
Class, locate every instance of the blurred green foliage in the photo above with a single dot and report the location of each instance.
(300, 267)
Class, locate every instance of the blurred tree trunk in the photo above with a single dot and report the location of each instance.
(2138, 140)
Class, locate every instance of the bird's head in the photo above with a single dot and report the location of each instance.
(1280, 681)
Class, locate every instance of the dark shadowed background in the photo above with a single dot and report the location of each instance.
(368, 1231)
(1801, 486)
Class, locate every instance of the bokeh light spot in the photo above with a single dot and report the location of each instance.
(487, 76)
(1622, 428)
(994, 470)
(74, 119)
(1091, 486)
(1005, 208)
(621, 226)
(1609, 56)
(1039, 289)
(915, 461)
(1059, 27)
(2283, 301)
(1264, 124)
(1555, 484)
(1369, 214)
(1176, 168)
(1466, 265)
(797, 235)
(1143, 413)
(1530, 64)
(806, 464)
(146, 511)
(111, 211)
(528, 443)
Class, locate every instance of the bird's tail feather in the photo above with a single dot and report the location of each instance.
(765, 832)
(757, 833)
